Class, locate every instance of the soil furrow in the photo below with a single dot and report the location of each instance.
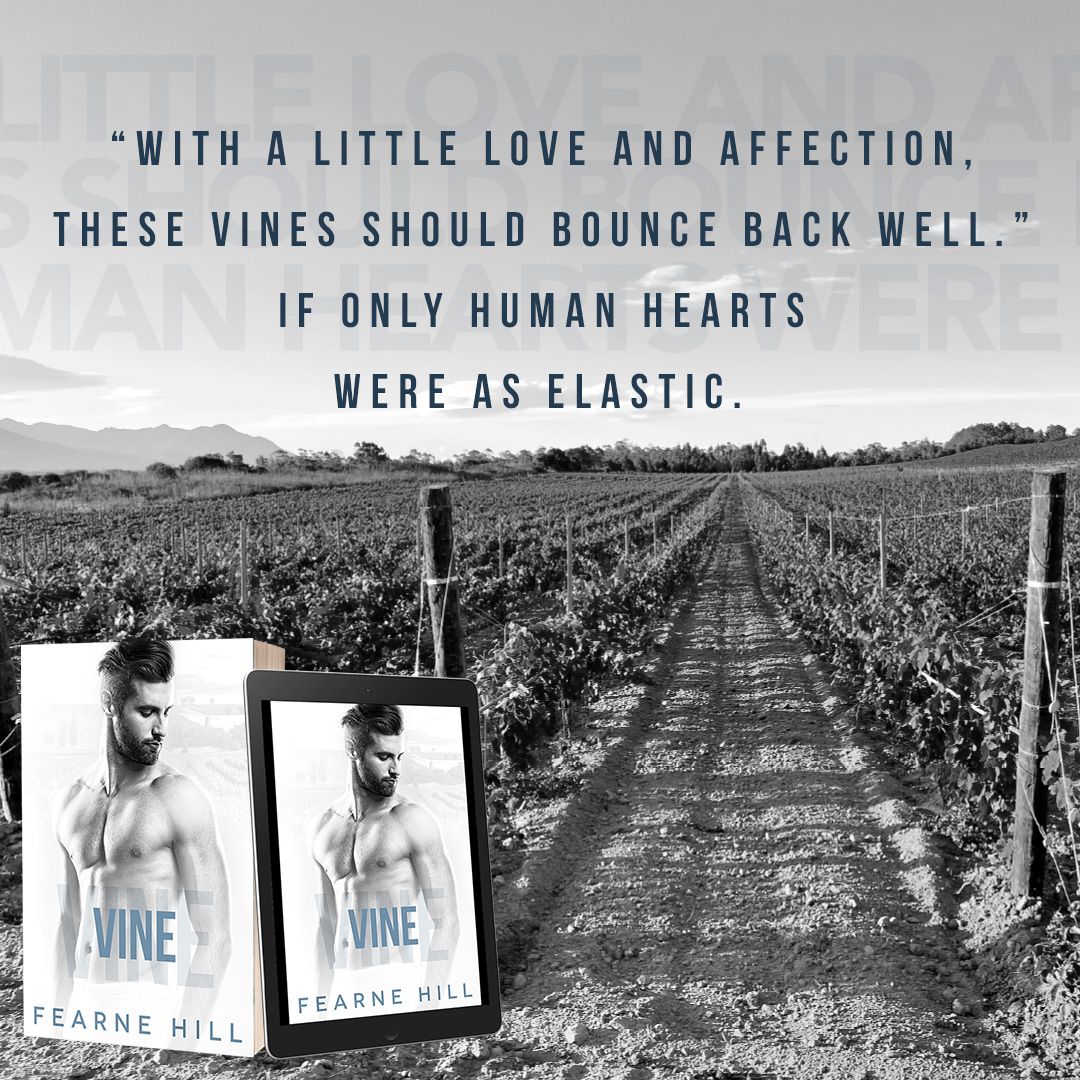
(748, 913)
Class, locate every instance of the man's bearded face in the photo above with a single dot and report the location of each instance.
(378, 765)
(140, 725)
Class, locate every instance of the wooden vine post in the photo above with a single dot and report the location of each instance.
(198, 548)
(245, 586)
(569, 565)
(832, 537)
(11, 761)
(882, 554)
(441, 581)
(502, 551)
(1046, 544)
(626, 538)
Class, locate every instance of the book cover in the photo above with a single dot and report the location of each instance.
(138, 875)
(376, 869)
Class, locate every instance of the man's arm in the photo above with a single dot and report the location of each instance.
(326, 910)
(206, 891)
(436, 880)
(67, 923)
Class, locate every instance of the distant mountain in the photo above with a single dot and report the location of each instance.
(36, 448)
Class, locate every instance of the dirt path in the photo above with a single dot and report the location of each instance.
(734, 892)
(755, 907)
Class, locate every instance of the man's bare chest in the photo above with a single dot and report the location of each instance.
(127, 831)
(361, 851)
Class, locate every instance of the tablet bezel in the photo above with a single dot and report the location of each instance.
(261, 690)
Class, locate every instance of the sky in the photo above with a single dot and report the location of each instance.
(895, 344)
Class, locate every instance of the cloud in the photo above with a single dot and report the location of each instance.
(988, 231)
(132, 400)
(791, 264)
(457, 398)
(663, 275)
(669, 280)
(131, 393)
(532, 397)
(845, 282)
(19, 375)
(866, 397)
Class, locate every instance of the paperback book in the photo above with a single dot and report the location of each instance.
(139, 897)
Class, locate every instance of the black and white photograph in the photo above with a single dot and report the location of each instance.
(697, 381)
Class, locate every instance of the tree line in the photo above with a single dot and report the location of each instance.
(623, 456)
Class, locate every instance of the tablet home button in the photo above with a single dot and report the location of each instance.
(392, 1035)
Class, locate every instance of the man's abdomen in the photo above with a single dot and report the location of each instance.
(381, 920)
(133, 925)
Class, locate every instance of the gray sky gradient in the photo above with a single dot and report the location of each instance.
(888, 353)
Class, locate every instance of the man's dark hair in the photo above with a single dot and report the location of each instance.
(363, 721)
(147, 658)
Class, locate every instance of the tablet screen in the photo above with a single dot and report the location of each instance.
(373, 860)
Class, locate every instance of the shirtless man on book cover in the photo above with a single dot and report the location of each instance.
(376, 855)
(134, 839)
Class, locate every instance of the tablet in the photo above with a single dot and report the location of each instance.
(372, 868)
